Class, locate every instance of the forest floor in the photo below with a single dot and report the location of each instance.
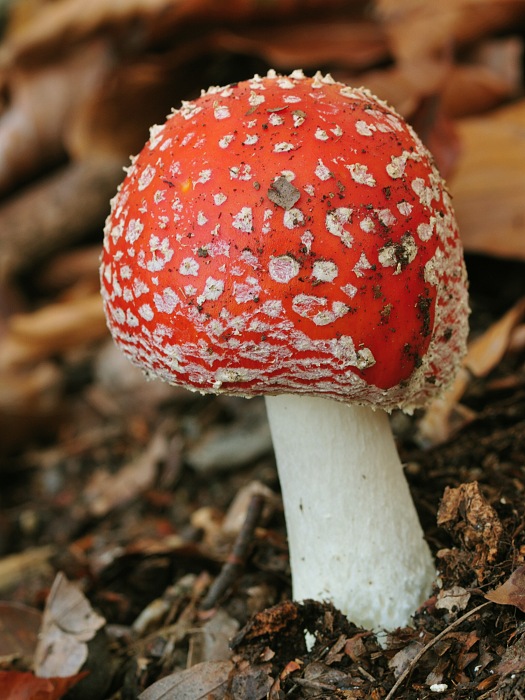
(122, 500)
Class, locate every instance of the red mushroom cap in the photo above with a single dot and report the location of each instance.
(287, 234)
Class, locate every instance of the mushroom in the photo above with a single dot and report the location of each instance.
(291, 237)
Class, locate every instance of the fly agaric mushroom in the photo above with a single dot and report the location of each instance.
(291, 237)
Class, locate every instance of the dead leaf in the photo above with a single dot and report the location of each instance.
(420, 39)
(490, 75)
(146, 87)
(483, 355)
(71, 22)
(23, 565)
(106, 491)
(19, 625)
(32, 125)
(211, 641)
(66, 268)
(268, 622)
(69, 622)
(511, 592)
(489, 182)
(51, 330)
(487, 351)
(17, 685)
(30, 399)
(251, 681)
(206, 681)
(453, 599)
(236, 513)
(354, 44)
(404, 658)
(513, 660)
(470, 519)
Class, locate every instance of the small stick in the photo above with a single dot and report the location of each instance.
(428, 646)
(70, 203)
(237, 558)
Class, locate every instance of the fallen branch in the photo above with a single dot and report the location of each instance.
(55, 212)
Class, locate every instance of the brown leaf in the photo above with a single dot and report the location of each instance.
(268, 622)
(491, 74)
(453, 599)
(513, 660)
(106, 491)
(32, 125)
(489, 182)
(69, 622)
(420, 30)
(70, 22)
(25, 565)
(51, 330)
(354, 44)
(470, 519)
(488, 349)
(420, 39)
(252, 682)
(484, 354)
(206, 681)
(19, 625)
(511, 592)
(18, 685)
(211, 641)
(148, 88)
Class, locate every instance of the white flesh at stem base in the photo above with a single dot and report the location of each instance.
(354, 535)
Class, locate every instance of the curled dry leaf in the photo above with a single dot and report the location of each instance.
(453, 599)
(470, 519)
(70, 22)
(489, 348)
(355, 44)
(69, 622)
(511, 592)
(148, 88)
(52, 330)
(483, 355)
(404, 658)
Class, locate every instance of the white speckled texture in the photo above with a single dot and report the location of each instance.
(287, 234)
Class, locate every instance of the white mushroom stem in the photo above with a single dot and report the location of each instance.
(354, 535)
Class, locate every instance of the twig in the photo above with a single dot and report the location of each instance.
(70, 203)
(237, 558)
(428, 646)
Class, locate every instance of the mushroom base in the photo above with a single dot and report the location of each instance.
(354, 535)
